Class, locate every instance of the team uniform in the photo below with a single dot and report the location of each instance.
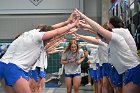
(116, 78)
(103, 58)
(2, 67)
(41, 64)
(123, 59)
(24, 57)
(92, 59)
(6, 58)
(128, 38)
(72, 69)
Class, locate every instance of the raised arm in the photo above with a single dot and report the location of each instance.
(55, 51)
(102, 31)
(58, 31)
(53, 41)
(85, 26)
(89, 39)
(53, 44)
(61, 24)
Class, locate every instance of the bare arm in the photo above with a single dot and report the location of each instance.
(80, 60)
(86, 27)
(53, 45)
(55, 51)
(61, 24)
(89, 39)
(83, 24)
(52, 33)
(105, 33)
(64, 61)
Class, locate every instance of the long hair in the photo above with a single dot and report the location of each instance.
(116, 22)
(69, 46)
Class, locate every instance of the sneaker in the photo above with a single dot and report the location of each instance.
(89, 84)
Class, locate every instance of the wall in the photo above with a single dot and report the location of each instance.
(39, 6)
(105, 7)
(92, 8)
(13, 24)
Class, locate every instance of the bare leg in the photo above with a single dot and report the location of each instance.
(111, 86)
(32, 84)
(118, 89)
(76, 83)
(131, 88)
(7, 89)
(22, 86)
(89, 78)
(106, 87)
(40, 85)
(99, 86)
(68, 82)
(95, 87)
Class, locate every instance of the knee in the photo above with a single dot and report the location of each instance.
(76, 89)
(105, 85)
(69, 90)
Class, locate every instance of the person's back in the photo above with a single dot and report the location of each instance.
(32, 45)
(128, 38)
(93, 57)
(103, 52)
(8, 55)
(122, 57)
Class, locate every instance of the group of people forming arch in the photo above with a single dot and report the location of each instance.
(22, 66)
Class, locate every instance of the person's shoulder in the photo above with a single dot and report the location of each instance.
(115, 35)
(117, 30)
(117, 38)
(120, 30)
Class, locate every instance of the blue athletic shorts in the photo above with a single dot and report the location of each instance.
(13, 73)
(133, 75)
(2, 69)
(116, 78)
(30, 73)
(92, 74)
(106, 68)
(72, 75)
(36, 74)
(98, 71)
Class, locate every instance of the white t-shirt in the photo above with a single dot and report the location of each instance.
(42, 61)
(7, 57)
(93, 57)
(28, 49)
(89, 45)
(128, 38)
(120, 54)
(72, 68)
(103, 52)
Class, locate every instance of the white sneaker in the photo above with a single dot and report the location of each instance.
(89, 84)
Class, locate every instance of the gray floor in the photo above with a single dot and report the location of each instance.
(62, 88)
(83, 89)
(87, 89)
